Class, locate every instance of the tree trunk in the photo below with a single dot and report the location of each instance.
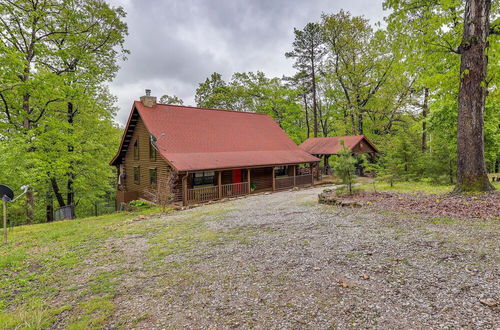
(315, 105)
(57, 193)
(425, 111)
(353, 124)
(30, 197)
(471, 168)
(307, 116)
(70, 196)
(360, 124)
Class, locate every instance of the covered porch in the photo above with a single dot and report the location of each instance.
(204, 186)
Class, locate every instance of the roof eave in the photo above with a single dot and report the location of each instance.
(114, 162)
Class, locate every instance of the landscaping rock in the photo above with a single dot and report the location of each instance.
(328, 197)
(489, 302)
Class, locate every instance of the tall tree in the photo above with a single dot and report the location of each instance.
(359, 59)
(308, 51)
(471, 169)
(167, 99)
(60, 53)
(214, 93)
(458, 31)
(86, 56)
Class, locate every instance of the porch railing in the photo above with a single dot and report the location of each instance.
(202, 194)
(205, 194)
(234, 189)
(284, 182)
(302, 180)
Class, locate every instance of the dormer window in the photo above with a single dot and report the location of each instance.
(136, 150)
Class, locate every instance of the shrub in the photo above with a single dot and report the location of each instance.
(139, 205)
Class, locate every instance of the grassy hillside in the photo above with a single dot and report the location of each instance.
(38, 261)
(69, 269)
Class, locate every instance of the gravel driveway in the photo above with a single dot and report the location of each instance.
(295, 264)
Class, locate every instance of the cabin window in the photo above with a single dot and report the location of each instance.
(136, 150)
(137, 175)
(152, 149)
(203, 178)
(152, 176)
(281, 171)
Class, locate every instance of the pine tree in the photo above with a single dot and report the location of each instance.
(344, 165)
(308, 51)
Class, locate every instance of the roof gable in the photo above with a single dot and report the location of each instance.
(331, 145)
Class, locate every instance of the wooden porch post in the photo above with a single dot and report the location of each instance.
(184, 189)
(294, 174)
(249, 185)
(274, 180)
(219, 183)
(312, 173)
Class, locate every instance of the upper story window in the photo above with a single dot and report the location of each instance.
(136, 150)
(152, 150)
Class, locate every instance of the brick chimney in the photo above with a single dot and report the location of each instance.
(148, 100)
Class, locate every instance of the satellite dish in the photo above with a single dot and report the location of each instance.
(5, 191)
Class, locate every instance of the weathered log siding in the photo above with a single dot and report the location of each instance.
(144, 162)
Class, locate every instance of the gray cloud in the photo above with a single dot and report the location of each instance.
(176, 44)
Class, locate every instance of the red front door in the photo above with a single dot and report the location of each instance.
(236, 176)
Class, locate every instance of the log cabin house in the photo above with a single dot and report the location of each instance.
(197, 154)
(324, 147)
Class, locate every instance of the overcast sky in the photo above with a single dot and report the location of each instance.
(176, 44)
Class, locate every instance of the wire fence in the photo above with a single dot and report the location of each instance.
(65, 213)
(95, 209)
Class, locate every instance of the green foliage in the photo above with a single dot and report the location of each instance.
(432, 31)
(385, 83)
(56, 116)
(167, 99)
(139, 205)
(344, 166)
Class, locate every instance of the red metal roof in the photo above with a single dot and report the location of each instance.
(331, 145)
(192, 138)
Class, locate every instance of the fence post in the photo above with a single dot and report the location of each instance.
(184, 189)
(274, 180)
(4, 200)
(219, 183)
(249, 184)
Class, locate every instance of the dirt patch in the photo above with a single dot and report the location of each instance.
(477, 206)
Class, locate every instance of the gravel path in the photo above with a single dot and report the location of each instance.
(297, 264)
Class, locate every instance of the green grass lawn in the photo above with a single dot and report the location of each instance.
(41, 263)
(39, 259)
